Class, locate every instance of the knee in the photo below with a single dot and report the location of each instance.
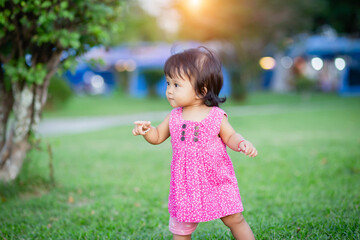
(233, 220)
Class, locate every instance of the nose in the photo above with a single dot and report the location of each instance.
(169, 89)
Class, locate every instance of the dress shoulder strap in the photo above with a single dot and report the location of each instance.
(175, 112)
(215, 119)
(220, 113)
(174, 116)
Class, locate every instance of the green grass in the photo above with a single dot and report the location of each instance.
(106, 105)
(119, 104)
(305, 183)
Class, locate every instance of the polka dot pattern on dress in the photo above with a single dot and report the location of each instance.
(203, 184)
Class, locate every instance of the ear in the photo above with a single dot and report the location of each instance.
(203, 93)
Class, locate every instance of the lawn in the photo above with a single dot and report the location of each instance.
(304, 184)
(120, 104)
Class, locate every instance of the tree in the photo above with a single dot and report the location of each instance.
(36, 38)
(343, 16)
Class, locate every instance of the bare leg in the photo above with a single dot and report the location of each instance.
(181, 237)
(240, 229)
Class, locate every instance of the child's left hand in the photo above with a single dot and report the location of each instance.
(247, 148)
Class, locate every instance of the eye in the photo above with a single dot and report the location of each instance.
(176, 85)
(167, 83)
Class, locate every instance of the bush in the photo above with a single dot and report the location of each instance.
(152, 77)
(238, 84)
(59, 92)
(304, 84)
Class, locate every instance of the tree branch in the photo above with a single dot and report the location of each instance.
(52, 67)
(18, 38)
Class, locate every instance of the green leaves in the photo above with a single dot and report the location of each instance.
(19, 71)
(37, 74)
(70, 64)
(69, 39)
(67, 15)
(15, 70)
(64, 5)
(48, 27)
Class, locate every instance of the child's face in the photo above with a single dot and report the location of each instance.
(180, 92)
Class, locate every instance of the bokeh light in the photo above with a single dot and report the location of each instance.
(97, 81)
(317, 63)
(340, 63)
(119, 65)
(286, 62)
(130, 65)
(125, 65)
(267, 63)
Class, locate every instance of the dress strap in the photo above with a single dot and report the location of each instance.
(174, 117)
(216, 118)
(219, 114)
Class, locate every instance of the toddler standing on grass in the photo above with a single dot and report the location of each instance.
(203, 185)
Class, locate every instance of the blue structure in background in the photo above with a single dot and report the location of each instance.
(267, 77)
(350, 80)
(81, 80)
(330, 48)
(133, 59)
(139, 87)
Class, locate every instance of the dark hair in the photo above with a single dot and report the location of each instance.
(203, 68)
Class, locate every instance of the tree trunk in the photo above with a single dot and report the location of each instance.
(26, 102)
(6, 103)
(27, 110)
(16, 146)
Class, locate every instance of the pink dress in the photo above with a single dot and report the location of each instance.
(203, 184)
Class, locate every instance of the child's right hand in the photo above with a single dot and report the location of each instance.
(141, 127)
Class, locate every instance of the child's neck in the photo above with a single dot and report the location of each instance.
(195, 112)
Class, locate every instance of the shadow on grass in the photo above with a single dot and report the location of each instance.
(34, 180)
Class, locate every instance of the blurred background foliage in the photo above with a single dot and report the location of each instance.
(59, 92)
(250, 28)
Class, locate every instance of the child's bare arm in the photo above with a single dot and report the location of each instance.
(154, 135)
(234, 140)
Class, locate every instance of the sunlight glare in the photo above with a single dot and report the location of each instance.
(194, 4)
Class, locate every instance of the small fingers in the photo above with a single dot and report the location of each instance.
(248, 149)
(134, 132)
(141, 127)
(242, 147)
(147, 124)
(253, 153)
(140, 130)
(141, 123)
